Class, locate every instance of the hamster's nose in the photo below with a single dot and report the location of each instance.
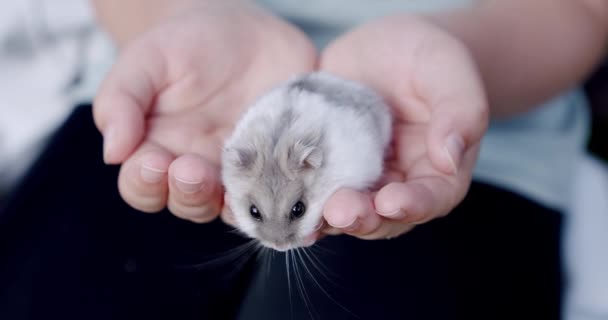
(282, 247)
(283, 243)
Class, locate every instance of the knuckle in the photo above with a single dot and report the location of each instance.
(481, 116)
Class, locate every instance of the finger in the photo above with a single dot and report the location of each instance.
(125, 98)
(452, 134)
(459, 110)
(142, 181)
(195, 191)
(331, 231)
(388, 230)
(368, 225)
(418, 200)
(351, 212)
(389, 176)
(227, 215)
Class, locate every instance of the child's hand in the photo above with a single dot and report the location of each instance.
(431, 82)
(175, 94)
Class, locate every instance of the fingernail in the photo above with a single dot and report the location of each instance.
(187, 186)
(353, 226)
(150, 174)
(396, 214)
(108, 138)
(319, 225)
(454, 148)
(347, 226)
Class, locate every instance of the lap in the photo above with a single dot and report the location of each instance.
(72, 249)
(496, 256)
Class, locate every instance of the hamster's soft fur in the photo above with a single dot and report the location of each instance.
(302, 141)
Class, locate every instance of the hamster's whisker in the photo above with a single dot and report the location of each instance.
(320, 286)
(268, 254)
(245, 257)
(263, 259)
(301, 286)
(321, 268)
(258, 245)
(287, 267)
(323, 249)
(239, 250)
(226, 256)
(234, 230)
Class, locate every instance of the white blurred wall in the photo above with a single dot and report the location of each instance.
(51, 57)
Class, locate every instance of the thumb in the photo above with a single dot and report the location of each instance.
(125, 99)
(453, 89)
(455, 127)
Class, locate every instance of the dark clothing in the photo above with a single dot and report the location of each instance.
(70, 248)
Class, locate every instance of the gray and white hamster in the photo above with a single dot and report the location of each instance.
(297, 145)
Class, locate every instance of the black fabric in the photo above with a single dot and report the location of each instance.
(70, 248)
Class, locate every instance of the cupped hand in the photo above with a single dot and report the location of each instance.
(175, 93)
(431, 82)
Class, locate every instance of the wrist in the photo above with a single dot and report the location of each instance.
(126, 20)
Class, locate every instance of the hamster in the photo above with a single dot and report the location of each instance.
(297, 145)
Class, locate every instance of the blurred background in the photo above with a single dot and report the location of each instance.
(53, 56)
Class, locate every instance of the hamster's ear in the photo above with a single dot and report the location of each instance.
(242, 158)
(300, 152)
(306, 152)
(305, 156)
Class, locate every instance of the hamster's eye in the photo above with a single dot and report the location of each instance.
(298, 209)
(255, 213)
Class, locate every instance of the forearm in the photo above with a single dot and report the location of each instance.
(125, 19)
(528, 51)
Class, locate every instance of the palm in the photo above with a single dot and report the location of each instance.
(440, 114)
(208, 86)
(188, 81)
